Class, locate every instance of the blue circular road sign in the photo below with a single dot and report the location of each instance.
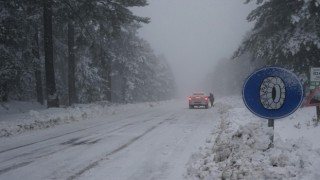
(272, 93)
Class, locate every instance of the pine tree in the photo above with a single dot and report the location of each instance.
(37, 65)
(18, 63)
(286, 33)
(97, 39)
(52, 96)
(71, 62)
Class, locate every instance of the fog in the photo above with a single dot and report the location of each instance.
(194, 35)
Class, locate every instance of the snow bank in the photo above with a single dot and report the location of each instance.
(15, 123)
(18, 117)
(14, 107)
(242, 150)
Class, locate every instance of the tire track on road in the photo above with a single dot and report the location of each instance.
(16, 166)
(72, 132)
(130, 142)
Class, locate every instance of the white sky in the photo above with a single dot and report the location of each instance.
(194, 34)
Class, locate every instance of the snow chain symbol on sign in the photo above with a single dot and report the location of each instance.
(272, 93)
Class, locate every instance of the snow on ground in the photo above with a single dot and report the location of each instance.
(142, 141)
(240, 147)
(17, 117)
(155, 141)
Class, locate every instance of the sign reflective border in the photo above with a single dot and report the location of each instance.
(272, 93)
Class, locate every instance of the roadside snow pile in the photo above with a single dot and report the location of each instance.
(13, 107)
(18, 117)
(39, 119)
(242, 151)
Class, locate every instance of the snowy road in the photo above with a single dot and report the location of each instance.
(146, 142)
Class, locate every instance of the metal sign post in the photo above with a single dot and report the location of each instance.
(318, 115)
(271, 124)
(272, 93)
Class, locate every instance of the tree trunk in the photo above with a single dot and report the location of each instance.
(71, 64)
(4, 90)
(37, 67)
(39, 88)
(109, 91)
(52, 96)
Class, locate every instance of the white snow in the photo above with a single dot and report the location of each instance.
(241, 150)
(18, 117)
(158, 140)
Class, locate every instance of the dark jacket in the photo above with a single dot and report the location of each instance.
(211, 97)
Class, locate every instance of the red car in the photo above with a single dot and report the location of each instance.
(198, 99)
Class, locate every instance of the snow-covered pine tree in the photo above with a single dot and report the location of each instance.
(104, 21)
(286, 33)
(105, 44)
(19, 63)
(139, 73)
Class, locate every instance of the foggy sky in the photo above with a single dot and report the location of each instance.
(194, 34)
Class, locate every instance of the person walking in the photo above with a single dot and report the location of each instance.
(211, 98)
